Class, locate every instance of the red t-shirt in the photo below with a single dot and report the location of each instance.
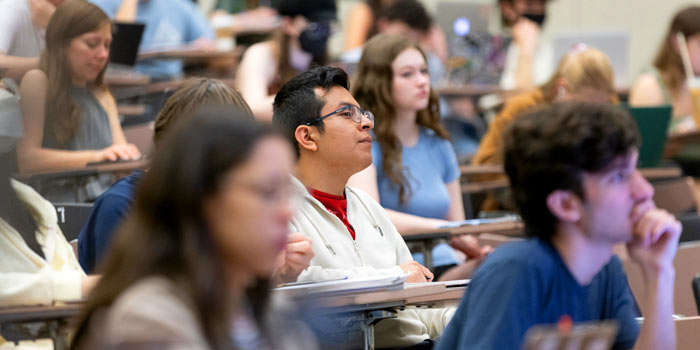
(335, 204)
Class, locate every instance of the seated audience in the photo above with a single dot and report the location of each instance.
(350, 232)
(414, 174)
(572, 169)
(300, 41)
(170, 24)
(22, 31)
(530, 58)
(37, 264)
(408, 18)
(111, 207)
(583, 74)
(70, 117)
(372, 17)
(200, 279)
(665, 83)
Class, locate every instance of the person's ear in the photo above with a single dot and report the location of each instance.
(562, 87)
(565, 206)
(307, 137)
(382, 24)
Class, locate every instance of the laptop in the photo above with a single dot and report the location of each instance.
(653, 123)
(460, 18)
(126, 39)
(614, 43)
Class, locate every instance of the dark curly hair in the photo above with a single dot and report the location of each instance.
(549, 149)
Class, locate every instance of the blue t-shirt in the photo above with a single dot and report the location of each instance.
(168, 23)
(429, 166)
(107, 213)
(527, 283)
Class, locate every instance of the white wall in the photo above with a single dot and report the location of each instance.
(646, 21)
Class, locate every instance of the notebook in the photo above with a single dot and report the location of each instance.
(653, 125)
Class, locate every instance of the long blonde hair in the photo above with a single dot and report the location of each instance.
(668, 60)
(71, 19)
(372, 88)
(583, 67)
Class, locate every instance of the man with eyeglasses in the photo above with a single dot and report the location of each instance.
(350, 232)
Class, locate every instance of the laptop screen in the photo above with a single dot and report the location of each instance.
(126, 39)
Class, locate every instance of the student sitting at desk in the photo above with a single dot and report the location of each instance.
(572, 169)
(170, 24)
(583, 74)
(665, 83)
(200, 278)
(414, 175)
(22, 31)
(300, 41)
(350, 232)
(70, 117)
(37, 264)
(112, 206)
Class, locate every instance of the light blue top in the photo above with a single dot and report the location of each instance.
(429, 166)
(168, 23)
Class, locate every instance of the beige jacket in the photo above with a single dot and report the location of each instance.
(154, 313)
(377, 250)
(25, 277)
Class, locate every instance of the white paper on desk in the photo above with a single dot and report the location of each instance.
(350, 285)
(477, 222)
(448, 284)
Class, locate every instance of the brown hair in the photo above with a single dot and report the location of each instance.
(668, 60)
(583, 67)
(189, 168)
(372, 88)
(193, 94)
(71, 19)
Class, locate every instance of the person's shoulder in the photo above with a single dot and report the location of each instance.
(154, 303)
(646, 90)
(520, 103)
(523, 255)
(122, 189)
(35, 78)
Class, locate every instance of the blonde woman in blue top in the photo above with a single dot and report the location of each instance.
(414, 175)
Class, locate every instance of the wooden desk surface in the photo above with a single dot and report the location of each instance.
(470, 90)
(187, 54)
(648, 173)
(39, 313)
(411, 295)
(514, 228)
(121, 79)
(88, 170)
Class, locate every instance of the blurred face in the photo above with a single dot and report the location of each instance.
(248, 216)
(400, 28)
(611, 195)
(87, 54)
(411, 83)
(694, 51)
(513, 11)
(345, 145)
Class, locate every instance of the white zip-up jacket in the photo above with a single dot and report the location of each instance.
(378, 249)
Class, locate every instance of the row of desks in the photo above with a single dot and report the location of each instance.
(358, 312)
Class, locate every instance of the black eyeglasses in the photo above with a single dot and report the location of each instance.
(349, 112)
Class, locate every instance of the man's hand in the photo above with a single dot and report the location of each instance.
(468, 245)
(41, 11)
(656, 233)
(417, 272)
(525, 34)
(295, 258)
